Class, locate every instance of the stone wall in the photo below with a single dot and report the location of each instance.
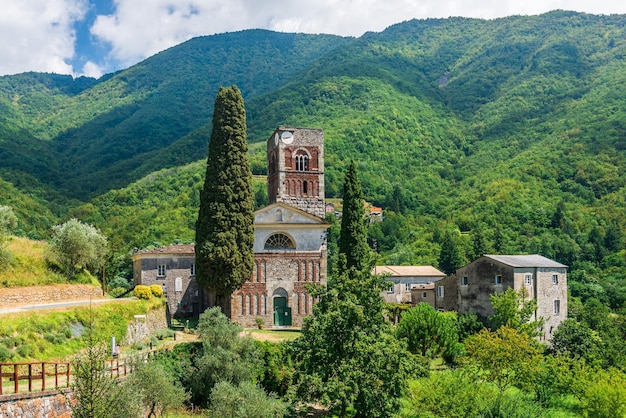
(140, 327)
(49, 404)
(48, 294)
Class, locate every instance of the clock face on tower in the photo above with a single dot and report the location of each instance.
(286, 137)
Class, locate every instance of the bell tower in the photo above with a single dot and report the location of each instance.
(295, 169)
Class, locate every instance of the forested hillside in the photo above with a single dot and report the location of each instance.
(508, 133)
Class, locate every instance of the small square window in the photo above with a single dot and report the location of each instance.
(498, 279)
(557, 307)
(407, 287)
(555, 279)
(423, 295)
(161, 270)
(440, 291)
(391, 288)
(464, 281)
(528, 279)
(192, 270)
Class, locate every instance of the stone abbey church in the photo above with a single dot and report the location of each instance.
(289, 242)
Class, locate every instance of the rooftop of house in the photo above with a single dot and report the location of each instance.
(409, 271)
(531, 260)
(170, 249)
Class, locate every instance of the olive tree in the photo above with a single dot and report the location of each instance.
(77, 245)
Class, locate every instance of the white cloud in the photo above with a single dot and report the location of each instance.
(37, 35)
(91, 69)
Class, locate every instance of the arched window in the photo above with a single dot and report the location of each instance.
(279, 241)
(243, 304)
(279, 215)
(302, 161)
(305, 188)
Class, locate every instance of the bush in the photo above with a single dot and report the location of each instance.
(25, 350)
(259, 322)
(157, 290)
(162, 334)
(5, 353)
(116, 292)
(54, 338)
(138, 345)
(142, 292)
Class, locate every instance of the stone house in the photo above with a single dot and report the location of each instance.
(542, 279)
(289, 242)
(403, 279)
(173, 268)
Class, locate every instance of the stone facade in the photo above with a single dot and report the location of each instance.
(172, 268)
(402, 279)
(289, 243)
(295, 173)
(542, 279)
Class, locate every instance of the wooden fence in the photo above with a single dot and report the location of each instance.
(43, 375)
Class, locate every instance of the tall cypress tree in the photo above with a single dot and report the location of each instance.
(225, 225)
(353, 235)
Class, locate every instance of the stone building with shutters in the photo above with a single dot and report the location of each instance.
(289, 242)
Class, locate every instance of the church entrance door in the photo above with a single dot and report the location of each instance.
(282, 313)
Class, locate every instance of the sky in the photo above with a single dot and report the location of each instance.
(96, 37)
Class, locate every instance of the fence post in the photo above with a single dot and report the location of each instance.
(16, 376)
(43, 376)
(30, 377)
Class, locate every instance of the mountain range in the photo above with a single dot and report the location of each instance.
(513, 127)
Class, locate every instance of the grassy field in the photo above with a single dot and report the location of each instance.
(272, 335)
(29, 266)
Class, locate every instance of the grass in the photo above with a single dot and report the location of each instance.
(28, 266)
(55, 335)
(273, 335)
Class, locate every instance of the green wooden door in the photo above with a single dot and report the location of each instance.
(282, 313)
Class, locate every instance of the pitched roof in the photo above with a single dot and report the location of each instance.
(171, 249)
(531, 260)
(412, 271)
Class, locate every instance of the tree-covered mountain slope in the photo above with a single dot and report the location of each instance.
(510, 130)
(100, 135)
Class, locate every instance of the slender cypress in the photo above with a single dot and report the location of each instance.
(225, 225)
(353, 235)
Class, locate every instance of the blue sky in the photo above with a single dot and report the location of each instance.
(95, 37)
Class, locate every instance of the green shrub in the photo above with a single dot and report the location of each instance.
(9, 342)
(5, 353)
(25, 350)
(116, 292)
(138, 345)
(54, 338)
(162, 334)
(157, 290)
(142, 292)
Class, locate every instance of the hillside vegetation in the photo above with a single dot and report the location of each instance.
(510, 133)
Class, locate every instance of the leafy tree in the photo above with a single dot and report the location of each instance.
(479, 243)
(8, 223)
(429, 333)
(226, 356)
(96, 395)
(577, 340)
(450, 257)
(245, 400)
(347, 357)
(512, 309)
(449, 394)
(156, 387)
(77, 245)
(225, 224)
(509, 358)
(353, 235)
